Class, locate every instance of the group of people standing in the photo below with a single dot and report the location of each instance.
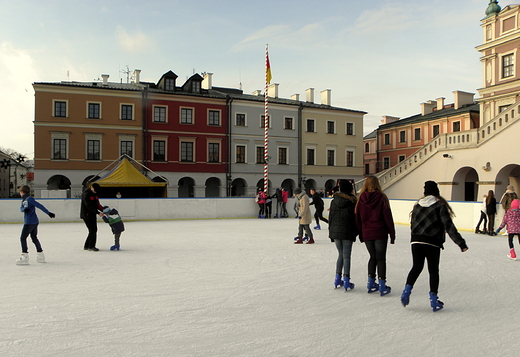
(265, 203)
(369, 217)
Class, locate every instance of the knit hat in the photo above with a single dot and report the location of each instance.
(345, 186)
(297, 191)
(106, 209)
(515, 204)
(431, 188)
(510, 189)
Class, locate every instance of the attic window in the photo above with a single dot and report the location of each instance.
(195, 87)
(169, 84)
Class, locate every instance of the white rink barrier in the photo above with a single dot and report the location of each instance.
(67, 209)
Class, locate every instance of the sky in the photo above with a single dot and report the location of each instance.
(240, 287)
(384, 57)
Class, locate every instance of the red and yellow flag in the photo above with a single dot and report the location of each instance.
(268, 75)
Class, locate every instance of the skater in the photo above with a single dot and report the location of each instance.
(90, 207)
(375, 223)
(343, 231)
(268, 206)
(30, 225)
(319, 206)
(512, 221)
(279, 210)
(260, 199)
(491, 210)
(285, 198)
(113, 218)
(483, 217)
(505, 202)
(305, 217)
(431, 218)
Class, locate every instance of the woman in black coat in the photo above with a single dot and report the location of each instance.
(491, 210)
(343, 231)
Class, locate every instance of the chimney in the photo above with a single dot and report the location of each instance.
(295, 97)
(462, 98)
(310, 95)
(207, 83)
(272, 90)
(440, 103)
(105, 79)
(427, 108)
(325, 97)
(137, 75)
(257, 92)
(388, 119)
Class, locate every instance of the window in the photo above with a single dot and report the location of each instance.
(288, 123)
(507, 66)
(213, 152)
(331, 157)
(282, 156)
(60, 109)
(93, 149)
(240, 154)
(417, 134)
(186, 116)
(367, 169)
(126, 112)
(310, 156)
(186, 151)
(350, 158)
(367, 147)
(387, 139)
(94, 110)
(240, 120)
(213, 117)
(259, 154)
(159, 114)
(310, 125)
(402, 158)
(59, 149)
(262, 121)
(169, 84)
(159, 150)
(402, 136)
(456, 126)
(331, 127)
(127, 148)
(195, 87)
(436, 130)
(350, 129)
(386, 163)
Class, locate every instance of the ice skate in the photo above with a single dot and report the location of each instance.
(512, 254)
(347, 284)
(298, 240)
(435, 303)
(114, 247)
(40, 257)
(23, 260)
(338, 282)
(310, 241)
(317, 227)
(405, 297)
(372, 285)
(383, 288)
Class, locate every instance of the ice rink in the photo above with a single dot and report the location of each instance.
(240, 287)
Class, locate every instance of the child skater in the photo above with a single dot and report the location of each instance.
(431, 218)
(113, 218)
(512, 221)
(305, 217)
(343, 231)
(30, 225)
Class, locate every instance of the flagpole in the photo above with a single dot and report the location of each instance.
(266, 121)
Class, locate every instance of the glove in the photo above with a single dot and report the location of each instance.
(52, 215)
(498, 230)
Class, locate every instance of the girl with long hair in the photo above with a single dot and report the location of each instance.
(491, 210)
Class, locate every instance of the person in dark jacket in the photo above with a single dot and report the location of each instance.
(319, 206)
(343, 231)
(279, 210)
(90, 208)
(491, 210)
(431, 218)
(30, 225)
(375, 223)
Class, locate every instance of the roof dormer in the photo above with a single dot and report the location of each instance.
(168, 82)
(193, 84)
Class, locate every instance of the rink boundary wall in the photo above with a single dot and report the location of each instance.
(67, 209)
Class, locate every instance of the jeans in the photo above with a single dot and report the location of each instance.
(432, 254)
(377, 251)
(344, 251)
(32, 230)
(308, 231)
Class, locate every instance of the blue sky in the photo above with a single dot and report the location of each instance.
(384, 57)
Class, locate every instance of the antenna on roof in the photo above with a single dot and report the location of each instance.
(240, 79)
(128, 74)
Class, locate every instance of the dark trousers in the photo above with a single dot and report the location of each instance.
(92, 233)
(483, 217)
(432, 254)
(319, 215)
(32, 230)
(510, 239)
(491, 223)
(284, 210)
(377, 251)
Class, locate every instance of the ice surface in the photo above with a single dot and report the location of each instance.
(242, 288)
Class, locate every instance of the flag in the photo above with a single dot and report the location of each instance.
(268, 75)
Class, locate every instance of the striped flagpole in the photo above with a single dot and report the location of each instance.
(266, 121)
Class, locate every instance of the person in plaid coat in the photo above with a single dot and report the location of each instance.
(431, 218)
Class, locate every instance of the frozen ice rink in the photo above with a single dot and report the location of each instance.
(242, 288)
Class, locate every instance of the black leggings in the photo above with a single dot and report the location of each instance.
(377, 251)
(432, 254)
(483, 217)
(510, 237)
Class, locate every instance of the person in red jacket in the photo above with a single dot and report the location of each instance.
(285, 198)
(375, 223)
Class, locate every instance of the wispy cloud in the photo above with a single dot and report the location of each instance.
(133, 42)
(388, 19)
